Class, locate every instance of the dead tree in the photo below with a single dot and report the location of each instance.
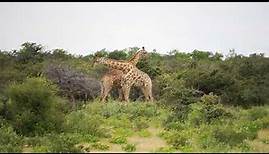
(73, 84)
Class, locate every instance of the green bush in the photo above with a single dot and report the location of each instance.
(123, 132)
(129, 147)
(34, 141)
(140, 124)
(9, 140)
(118, 140)
(179, 114)
(257, 112)
(141, 109)
(100, 146)
(229, 136)
(175, 126)
(64, 142)
(61, 143)
(111, 109)
(173, 92)
(208, 110)
(84, 123)
(144, 133)
(206, 140)
(178, 140)
(120, 122)
(41, 149)
(34, 107)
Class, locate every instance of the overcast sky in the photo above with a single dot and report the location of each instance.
(84, 27)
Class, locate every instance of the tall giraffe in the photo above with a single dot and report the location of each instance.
(113, 77)
(132, 76)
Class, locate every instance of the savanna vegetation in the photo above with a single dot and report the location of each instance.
(204, 102)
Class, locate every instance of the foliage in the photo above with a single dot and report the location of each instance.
(144, 133)
(62, 144)
(205, 101)
(81, 122)
(129, 147)
(118, 140)
(34, 107)
(9, 140)
(100, 146)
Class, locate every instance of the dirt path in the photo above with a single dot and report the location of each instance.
(261, 144)
(143, 144)
(148, 144)
(151, 143)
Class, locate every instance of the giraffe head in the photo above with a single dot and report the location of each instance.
(96, 60)
(142, 52)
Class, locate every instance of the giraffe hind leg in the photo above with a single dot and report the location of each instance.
(147, 93)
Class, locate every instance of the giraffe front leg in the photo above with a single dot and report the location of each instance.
(126, 84)
(107, 89)
(126, 92)
(102, 92)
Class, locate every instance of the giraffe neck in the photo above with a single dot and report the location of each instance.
(134, 60)
(125, 67)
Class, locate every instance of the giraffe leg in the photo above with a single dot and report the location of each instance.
(102, 92)
(106, 92)
(107, 86)
(120, 94)
(126, 92)
(147, 91)
(150, 96)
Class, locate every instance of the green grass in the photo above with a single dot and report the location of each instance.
(118, 140)
(100, 146)
(115, 123)
(129, 147)
(144, 133)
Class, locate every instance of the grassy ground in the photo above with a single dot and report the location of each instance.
(261, 143)
(138, 126)
(148, 143)
(141, 133)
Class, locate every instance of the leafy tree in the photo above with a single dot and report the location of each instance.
(118, 55)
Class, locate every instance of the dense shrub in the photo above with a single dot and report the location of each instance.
(178, 140)
(129, 147)
(183, 83)
(84, 123)
(207, 110)
(140, 109)
(173, 91)
(118, 140)
(140, 124)
(9, 140)
(179, 114)
(34, 107)
(257, 113)
(61, 143)
(100, 146)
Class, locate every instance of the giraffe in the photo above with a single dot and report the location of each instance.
(132, 76)
(114, 76)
